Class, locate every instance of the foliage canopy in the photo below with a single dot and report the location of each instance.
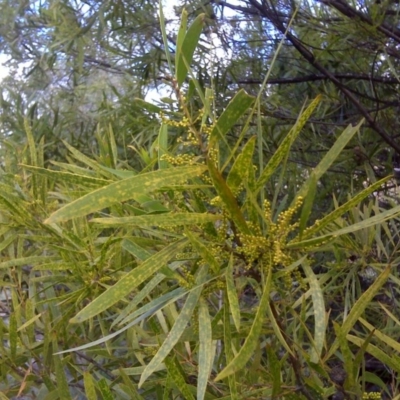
(177, 249)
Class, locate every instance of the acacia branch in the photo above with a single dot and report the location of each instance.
(269, 13)
(389, 31)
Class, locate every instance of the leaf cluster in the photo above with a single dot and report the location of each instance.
(196, 273)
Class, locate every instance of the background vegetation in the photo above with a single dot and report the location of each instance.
(237, 237)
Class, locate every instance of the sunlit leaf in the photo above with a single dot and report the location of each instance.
(122, 191)
(319, 313)
(129, 282)
(180, 324)
(246, 351)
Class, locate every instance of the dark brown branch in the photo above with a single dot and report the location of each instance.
(389, 31)
(269, 13)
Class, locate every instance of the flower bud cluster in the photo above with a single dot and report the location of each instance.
(372, 396)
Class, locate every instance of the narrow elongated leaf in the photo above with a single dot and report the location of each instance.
(104, 388)
(204, 253)
(18, 262)
(206, 349)
(138, 251)
(284, 147)
(235, 109)
(156, 304)
(177, 330)
(168, 219)
(147, 106)
(62, 383)
(229, 356)
(319, 313)
(381, 336)
(85, 160)
(185, 53)
(33, 154)
(377, 353)
(68, 177)
(162, 146)
(129, 282)
(164, 36)
(181, 36)
(345, 207)
(90, 390)
(136, 370)
(179, 380)
(232, 295)
(364, 300)
(227, 198)
(13, 336)
(277, 329)
(122, 191)
(104, 339)
(346, 352)
(307, 205)
(131, 387)
(330, 157)
(275, 370)
(366, 223)
(241, 167)
(360, 306)
(251, 341)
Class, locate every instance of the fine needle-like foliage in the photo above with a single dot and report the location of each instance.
(200, 274)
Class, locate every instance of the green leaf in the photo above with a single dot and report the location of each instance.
(132, 388)
(394, 344)
(277, 329)
(206, 349)
(275, 370)
(346, 354)
(227, 198)
(67, 177)
(319, 313)
(359, 307)
(162, 145)
(390, 362)
(170, 219)
(90, 390)
(155, 305)
(184, 55)
(241, 167)
(329, 157)
(181, 35)
(129, 282)
(365, 300)
(349, 205)
(284, 147)
(366, 223)
(13, 336)
(62, 382)
(307, 205)
(179, 326)
(232, 294)
(104, 388)
(235, 109)
(18, 262)
(164, 36)
(86, 160)
(147, 106)
(204, 253)
(122, 191)
(177, 377)
(252, 339)
(229, 356)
